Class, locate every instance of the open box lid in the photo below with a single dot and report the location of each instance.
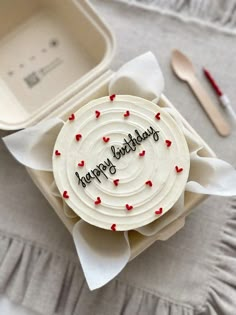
(50, 50)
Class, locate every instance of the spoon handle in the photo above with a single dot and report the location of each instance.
(213, 113)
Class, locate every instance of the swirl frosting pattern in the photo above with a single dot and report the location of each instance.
(114, 185)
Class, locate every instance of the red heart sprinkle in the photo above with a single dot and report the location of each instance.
(98, 201)
(168, 143)
(97, 113)
(72, 117)
(113, 227)
(149, 183)
(127, 113)
(112, 97)
(159, 211)
(57, 153)
(142, 153)
(158, 116)
(78, 137)
(128, 207)
(81, 164)
(116, 182)
(65, 194)
(178, 169)
(105, 139)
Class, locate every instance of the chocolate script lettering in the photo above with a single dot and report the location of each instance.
(129, 145)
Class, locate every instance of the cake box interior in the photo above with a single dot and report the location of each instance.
(50, 50)
(54, 58)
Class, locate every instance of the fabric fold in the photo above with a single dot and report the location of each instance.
(221, 14)
(221, 290)
(28, 271)
(34, 268)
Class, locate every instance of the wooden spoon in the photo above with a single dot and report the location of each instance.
(183, 68)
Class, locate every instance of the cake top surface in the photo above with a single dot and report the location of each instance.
(120, 164)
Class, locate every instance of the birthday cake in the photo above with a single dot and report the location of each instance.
(120, 162)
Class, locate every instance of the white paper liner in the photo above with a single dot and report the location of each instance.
(103, 254)
(33, 147)
(141, 76)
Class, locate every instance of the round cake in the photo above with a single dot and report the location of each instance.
(120, 162)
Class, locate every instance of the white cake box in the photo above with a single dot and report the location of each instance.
(54, 58)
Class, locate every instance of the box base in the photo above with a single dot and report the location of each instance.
(138, 242)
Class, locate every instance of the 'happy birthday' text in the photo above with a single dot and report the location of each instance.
(129, 145)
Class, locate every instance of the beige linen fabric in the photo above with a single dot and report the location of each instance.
(193, 272)
(219, 13)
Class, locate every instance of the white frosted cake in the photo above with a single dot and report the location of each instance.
(120, 162)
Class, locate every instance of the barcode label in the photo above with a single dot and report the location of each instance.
(32, 79)
(35, 77)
